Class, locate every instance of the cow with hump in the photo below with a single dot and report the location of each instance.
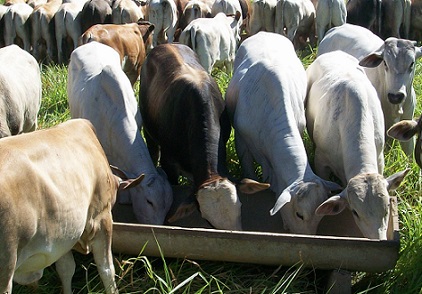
(19, 101)
(389, 65)
(64, 203)
(184, 116)
(99, 90)
(265, 100)
(343, 110)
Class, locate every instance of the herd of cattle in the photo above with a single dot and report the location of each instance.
(358, 90)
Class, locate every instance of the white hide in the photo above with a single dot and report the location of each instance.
(20, 91)
(68, 25)
(329, 13)
(345, 122)
(296, 20)
(100, 91)
(265, 100)
(214, 40)
(389, 65)
(163, 14)
(262, 16)
(15, 25)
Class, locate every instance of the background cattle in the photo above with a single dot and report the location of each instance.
(68, 29)
(262, 17)
(128, 11)
(185, 124)
(343, 109)
(96, 12)
(43, 36)
(65, 204)
(389, 65)
(19, 101)
(268, 93)
(16, 31)
(365, 13)
(129, 40)
(3, 10)
(98, 90)
(164, 15)
(329, 13)
(415, 31)
(395, 19)
(296, 20)
(194, 9)
(214, 40)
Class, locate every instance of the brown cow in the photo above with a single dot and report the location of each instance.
(129, 40)
(63, 203)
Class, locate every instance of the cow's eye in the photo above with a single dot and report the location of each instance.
(299, 215)
(385, 64)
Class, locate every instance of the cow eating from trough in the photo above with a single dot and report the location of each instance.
(184, 116)
(268, 93)
(99, 90)
(343, 110)
(389, 65)
(64, 203)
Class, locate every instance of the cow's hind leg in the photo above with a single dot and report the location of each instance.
(65, 267)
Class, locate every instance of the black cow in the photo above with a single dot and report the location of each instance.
(184, 115)
(95, 12)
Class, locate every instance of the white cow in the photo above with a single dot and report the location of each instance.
(64, 203)
(268, 92)
(164, 15)
(343, 110)
(42, 28)
(68, 26)
(389, 65)
(99, 90)
(195, 9)
(262, 17)
(214, 40)
(329, 13)
(15, 25)
(298, 18)
(128, 11)
(19, 101)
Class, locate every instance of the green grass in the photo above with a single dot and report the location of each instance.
(143, 274)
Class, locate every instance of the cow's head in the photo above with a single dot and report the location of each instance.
(151, 199)
(398, 57)
(367, 196)
(298, 203)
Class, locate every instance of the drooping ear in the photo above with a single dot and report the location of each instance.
(249, 186)
(332, 206)
(403, 130)
(284, 198)
(373, 59)
(182, 211)
(395, 180)
(130, 183)
(118, 172)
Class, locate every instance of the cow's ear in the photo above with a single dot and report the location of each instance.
(130, 183)
(418, 52)
(284, 198)
(332, 206)
(396, 179)
(403, 130)
(372, 60)
(249, 186)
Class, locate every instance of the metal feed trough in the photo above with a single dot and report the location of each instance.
(339, 244)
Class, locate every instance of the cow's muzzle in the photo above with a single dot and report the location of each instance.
(396, 98)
